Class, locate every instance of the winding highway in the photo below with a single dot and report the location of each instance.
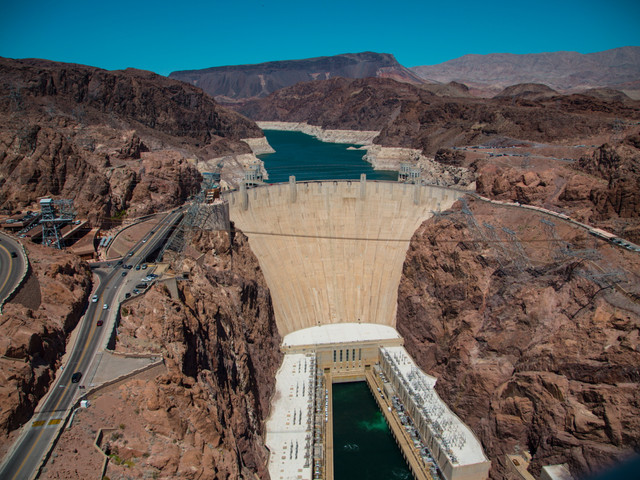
(25, 458)
(12, 266)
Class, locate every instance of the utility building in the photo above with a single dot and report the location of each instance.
(253, 176)
(409, 173)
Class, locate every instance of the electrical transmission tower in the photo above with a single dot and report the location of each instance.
(54, 214)
(518, 255)
(563, 249)
(560, 245)
(476, 232)
(502, 253)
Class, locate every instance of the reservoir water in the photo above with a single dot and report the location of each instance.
(310, 159)
(362, 442)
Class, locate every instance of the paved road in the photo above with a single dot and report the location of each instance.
(24, 459)
(11, 269)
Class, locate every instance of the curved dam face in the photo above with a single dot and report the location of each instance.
(332, 252)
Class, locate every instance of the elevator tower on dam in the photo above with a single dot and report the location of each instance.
(332, 254)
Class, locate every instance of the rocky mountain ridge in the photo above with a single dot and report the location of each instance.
(617, 68)
(230, 84)
(413, 117)
(121, 141)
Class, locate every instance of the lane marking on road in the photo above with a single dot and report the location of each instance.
(10, 267)
(42, 423)
(84, 352)
(79, 362)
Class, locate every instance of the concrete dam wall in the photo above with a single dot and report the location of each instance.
(332, 251)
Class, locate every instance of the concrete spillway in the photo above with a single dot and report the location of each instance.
(332, 252)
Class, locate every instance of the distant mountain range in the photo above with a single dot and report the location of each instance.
(485, 75)
(618, 68)
(236, 83)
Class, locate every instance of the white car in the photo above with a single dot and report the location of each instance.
(105, 306)
(94, 299)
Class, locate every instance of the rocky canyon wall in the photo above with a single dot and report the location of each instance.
(35, 326)
(536, 352)
(601, 189)
(204, 418)
(117, 142)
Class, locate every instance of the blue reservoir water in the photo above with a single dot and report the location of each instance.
(363, 445)
(310, 159)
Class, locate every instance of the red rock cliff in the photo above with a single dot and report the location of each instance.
(221, 346)
(35, 327)
(114, 141)
(545, 358)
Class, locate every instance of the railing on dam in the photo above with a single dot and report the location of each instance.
(420, 193)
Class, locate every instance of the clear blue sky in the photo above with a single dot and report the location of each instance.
(164, 36)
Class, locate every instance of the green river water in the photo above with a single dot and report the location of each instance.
(310, 159)
(363, 445)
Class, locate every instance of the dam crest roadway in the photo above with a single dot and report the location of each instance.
(332, 254)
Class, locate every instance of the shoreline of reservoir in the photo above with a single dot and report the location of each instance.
(379, 157)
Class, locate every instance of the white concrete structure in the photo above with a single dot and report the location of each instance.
(556, 472)
(332, 252)
(452, 444)
(290, 425)
(340, 333)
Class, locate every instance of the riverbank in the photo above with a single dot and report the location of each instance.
(381, 157)
(232, 167)
(357, 137)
